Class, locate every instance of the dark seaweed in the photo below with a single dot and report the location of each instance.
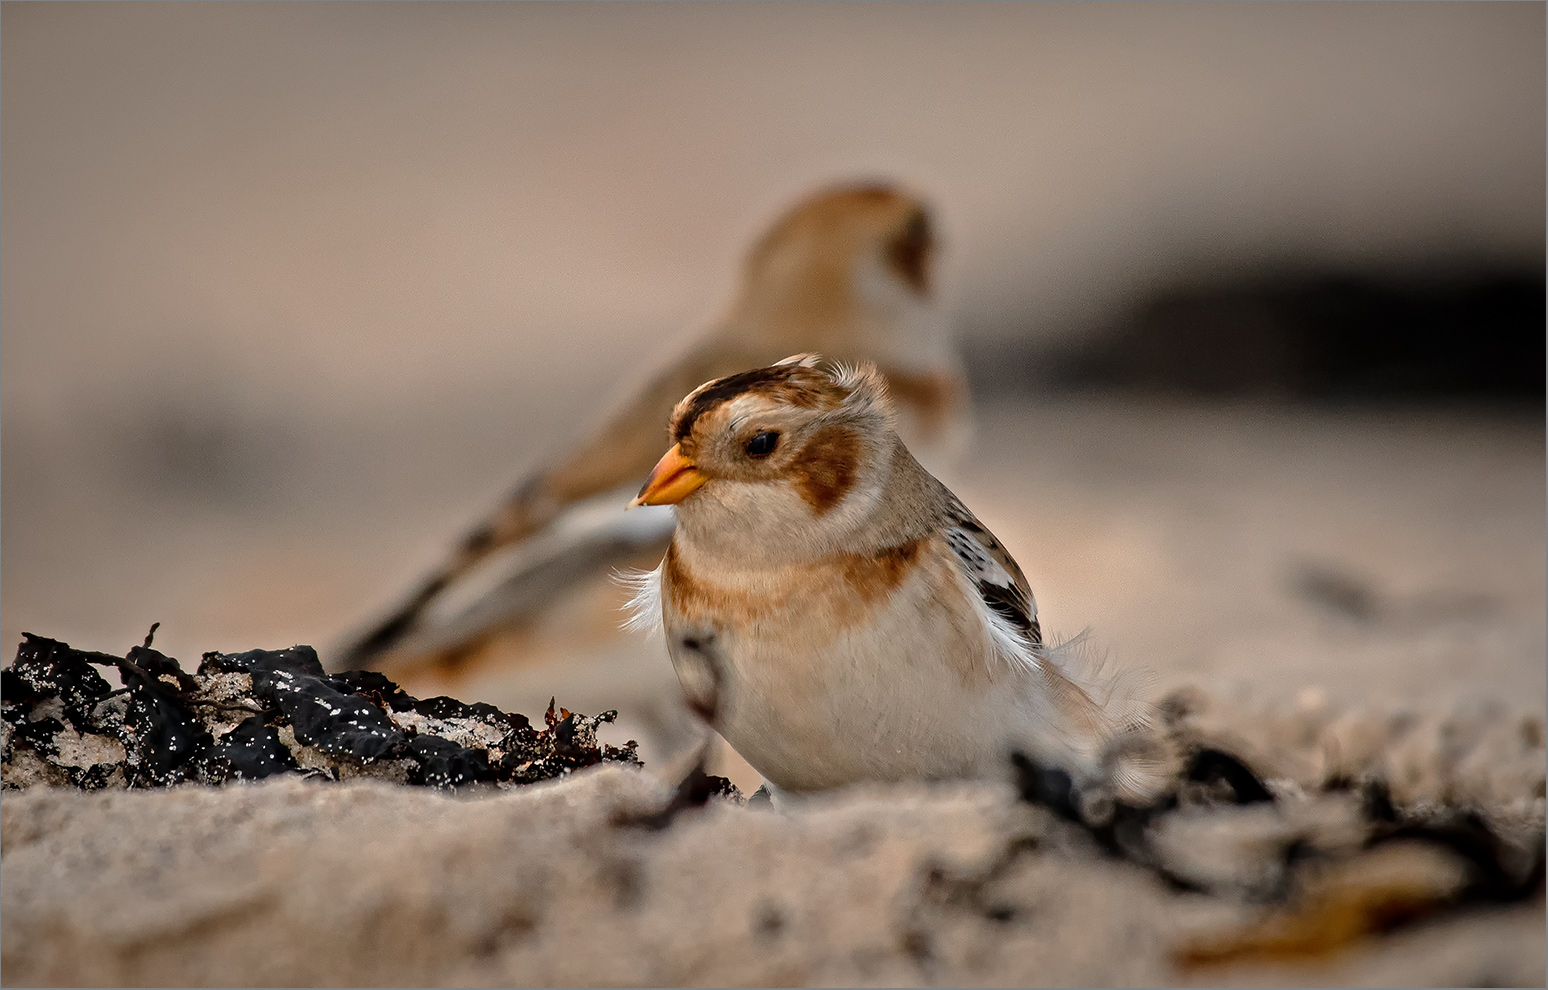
(251, 751)
(167, 734)
(442, 763)
(46, 668)
(1498, 872)
(207, 727)
(442, 707)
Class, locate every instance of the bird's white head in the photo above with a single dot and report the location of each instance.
(782, 460)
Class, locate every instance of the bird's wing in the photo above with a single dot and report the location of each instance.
(1012, 616)
(618, 454)
(992, 570)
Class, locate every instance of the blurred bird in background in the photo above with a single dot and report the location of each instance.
(848, 272)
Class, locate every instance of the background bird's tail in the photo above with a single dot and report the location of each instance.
(474, 598)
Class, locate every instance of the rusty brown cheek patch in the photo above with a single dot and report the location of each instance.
(825, 471)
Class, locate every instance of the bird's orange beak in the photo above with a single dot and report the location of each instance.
(673, 479)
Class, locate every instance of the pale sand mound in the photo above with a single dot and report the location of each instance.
(297, 882)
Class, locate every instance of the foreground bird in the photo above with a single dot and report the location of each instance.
(835, 611)
(849, 271)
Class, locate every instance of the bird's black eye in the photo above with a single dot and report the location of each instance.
(763, 444)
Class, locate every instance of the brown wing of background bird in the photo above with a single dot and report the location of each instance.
(619, 454)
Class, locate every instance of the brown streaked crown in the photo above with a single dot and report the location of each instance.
(791, 384)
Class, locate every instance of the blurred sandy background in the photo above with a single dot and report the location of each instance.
(290, 293)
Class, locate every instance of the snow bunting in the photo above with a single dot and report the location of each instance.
(833, 609)
(849, 271)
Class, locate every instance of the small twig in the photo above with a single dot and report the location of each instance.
(151, 683)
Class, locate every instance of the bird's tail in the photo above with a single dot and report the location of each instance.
(460, 608)
(1108, 730)
(523, 514)
(362, 652)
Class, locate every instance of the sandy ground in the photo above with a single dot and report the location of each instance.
(289, 882)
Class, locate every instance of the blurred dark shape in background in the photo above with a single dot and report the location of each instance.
(200, 450)
(1336, 590)
(1348, 594)
(1459, 331)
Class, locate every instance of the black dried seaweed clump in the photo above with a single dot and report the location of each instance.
(1320, 901)
(245, 716)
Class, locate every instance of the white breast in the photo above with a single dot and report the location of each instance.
(815, 696)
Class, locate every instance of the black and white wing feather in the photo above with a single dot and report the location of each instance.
(1013, 622)
(999, 580)
(1090, 707)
